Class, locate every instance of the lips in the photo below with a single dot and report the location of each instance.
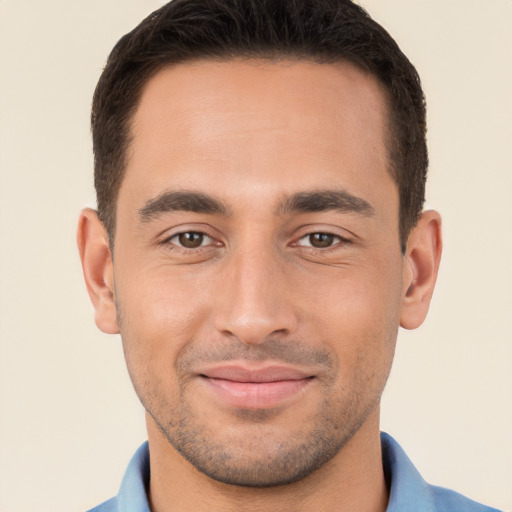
(255, 375)
(255, 387)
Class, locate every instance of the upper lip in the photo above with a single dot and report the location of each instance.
(267, 373)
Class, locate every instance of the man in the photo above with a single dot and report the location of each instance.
(260, 169)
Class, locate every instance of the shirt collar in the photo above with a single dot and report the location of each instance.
(132, 495)
(407, 489)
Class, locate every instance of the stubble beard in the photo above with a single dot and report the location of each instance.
(259, 464)
(266, 457)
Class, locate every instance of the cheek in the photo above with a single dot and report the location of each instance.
(359, 296)
(159, 315)
(356, 311)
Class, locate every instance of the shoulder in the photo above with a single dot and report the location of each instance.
(446, 500)
(107, 506)
(409, 491)
(132, 493)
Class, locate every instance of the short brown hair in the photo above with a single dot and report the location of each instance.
(320, 30)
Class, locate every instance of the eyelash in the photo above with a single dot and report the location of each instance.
(338, 240)
(168, 242)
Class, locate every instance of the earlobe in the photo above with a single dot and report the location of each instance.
(421, 264)
(98, 269)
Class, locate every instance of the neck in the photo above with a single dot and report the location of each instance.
(352, 481)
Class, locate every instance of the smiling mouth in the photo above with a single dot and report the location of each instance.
(255, 388)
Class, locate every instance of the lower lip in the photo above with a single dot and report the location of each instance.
(256, 395)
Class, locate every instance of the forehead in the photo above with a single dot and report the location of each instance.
(276, 126)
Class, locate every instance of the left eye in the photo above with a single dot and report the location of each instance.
(191, 239)
(319, 240)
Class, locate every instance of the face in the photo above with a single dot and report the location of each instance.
(257, 264)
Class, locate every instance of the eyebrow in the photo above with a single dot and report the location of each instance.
(325, 200)
(185, 201)
(301, 202)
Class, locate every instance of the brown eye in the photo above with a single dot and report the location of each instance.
(321, 240)
(191, 239)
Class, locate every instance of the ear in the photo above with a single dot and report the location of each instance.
(421, 264)
(98, 269)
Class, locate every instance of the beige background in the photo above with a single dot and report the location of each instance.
(69, 418)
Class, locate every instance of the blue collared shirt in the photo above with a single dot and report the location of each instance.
(408, 491)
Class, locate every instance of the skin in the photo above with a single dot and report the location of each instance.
(319, 286)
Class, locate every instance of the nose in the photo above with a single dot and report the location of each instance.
(256, 299)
